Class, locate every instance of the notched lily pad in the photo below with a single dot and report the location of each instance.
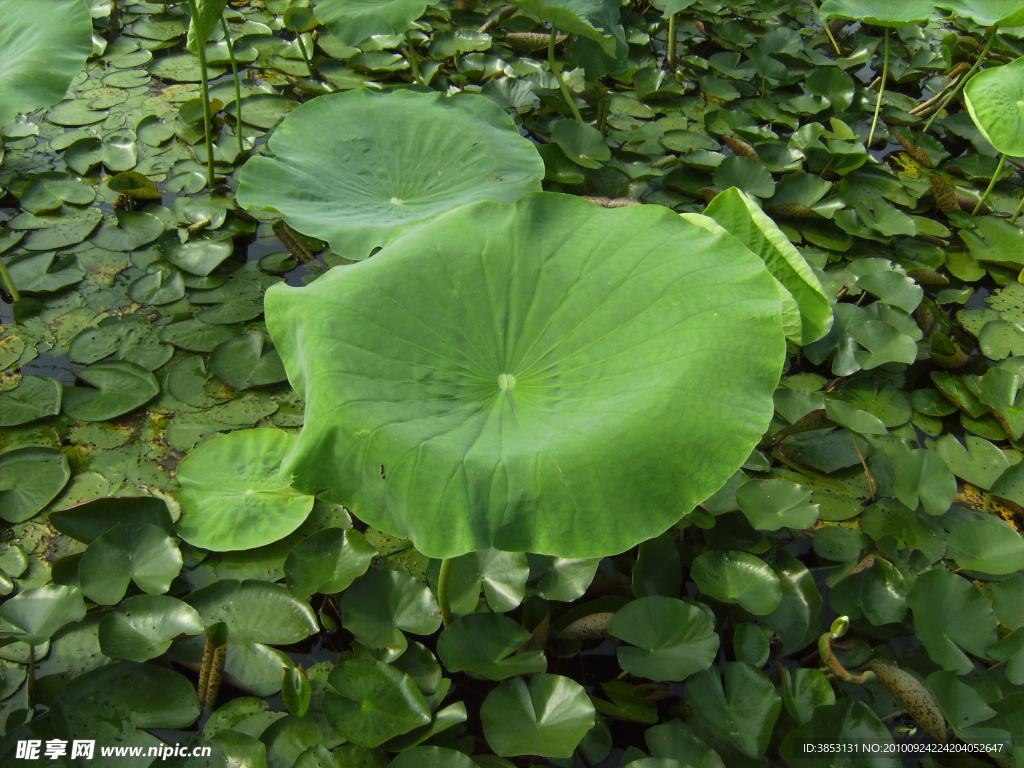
(30, 478)
(464, 149)
(235, 493)
(115, 387)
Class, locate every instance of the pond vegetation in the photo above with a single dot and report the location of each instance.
(546, 382)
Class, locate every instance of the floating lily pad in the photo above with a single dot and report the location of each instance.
(738, 577)
(486, 644)
(144, 626)
(328, 562)
(115, 387)
(44, 272)
(373, 702)
(547, 717)
(49, 191)
(36, 614)
(484, 413)
(235, 494)
(583, 144)
(66, 227)
(143, 554)
(30, 478)
(247, 361)
(40, 60)
(36, 397)
(381, 177)
(669, 639)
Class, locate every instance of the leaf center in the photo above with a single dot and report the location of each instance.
(506, 382)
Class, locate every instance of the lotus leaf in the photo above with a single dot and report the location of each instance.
(596, 20)
(498, 374)
(235, 493)
(352, 21)
(995, 99)
(987, 13)
(882, 13)
(40, 59)
(381, 176)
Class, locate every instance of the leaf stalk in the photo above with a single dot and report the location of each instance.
(556, 70)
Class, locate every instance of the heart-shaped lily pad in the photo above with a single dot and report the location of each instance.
(117, 387)
(30, 478)
(34, 615)
(673, 638)
(144, 626)
(40, 59)
(235, 494)
(144, 554)
(36, 397)
(482, 643)
(344, 169)
(995, 100)
(374, 702)
(738, 577)
(499, 373)
(548, 717)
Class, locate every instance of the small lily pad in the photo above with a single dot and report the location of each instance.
(373, 702)
(547, 717)
(669, 639)
(583, 144)
(36, 397)
(245, 361)
(143, 627)
(486, 644)
(235, 493)
(738, 577)
(36, 614)
(328, 562)
(143, 554)
(30, 478)
(115, 387)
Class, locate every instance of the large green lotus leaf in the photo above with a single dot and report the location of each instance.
(346, 168)
(743, 219)
(493, 377)
(45, 44)
(995, 100)
(987, 13)
(881, 13)
(593, 19)
(352, 21)
(235, 493)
